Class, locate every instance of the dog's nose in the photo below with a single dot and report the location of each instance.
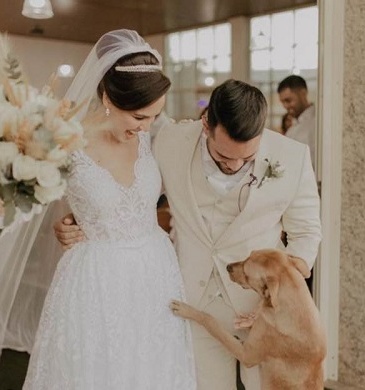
(229, 268)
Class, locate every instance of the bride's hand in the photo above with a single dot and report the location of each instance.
(67, 232)
(186, 311)
(2, 210)
(243, 321)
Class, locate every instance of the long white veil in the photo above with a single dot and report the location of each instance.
(29, 254)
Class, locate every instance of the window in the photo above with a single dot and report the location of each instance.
(281, 44)
(196, 62)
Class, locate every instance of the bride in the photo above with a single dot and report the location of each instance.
(106, 323)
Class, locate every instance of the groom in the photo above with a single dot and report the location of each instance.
(232, 187)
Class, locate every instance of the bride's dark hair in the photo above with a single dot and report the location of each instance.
(134, 90)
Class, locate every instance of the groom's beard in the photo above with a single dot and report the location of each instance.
(226, 170)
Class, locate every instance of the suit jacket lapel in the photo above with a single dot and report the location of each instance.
(192, 147)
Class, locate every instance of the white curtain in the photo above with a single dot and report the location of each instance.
(28, 258)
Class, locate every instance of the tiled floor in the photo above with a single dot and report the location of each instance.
(13, 367)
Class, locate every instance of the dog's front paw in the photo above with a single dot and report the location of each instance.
(244, 321)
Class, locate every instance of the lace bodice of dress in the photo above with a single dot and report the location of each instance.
(105, 209)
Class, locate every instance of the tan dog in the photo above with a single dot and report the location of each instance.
(286, 337)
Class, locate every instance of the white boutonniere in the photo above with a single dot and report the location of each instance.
(273, 171)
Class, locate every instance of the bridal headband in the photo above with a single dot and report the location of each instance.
(138, 68)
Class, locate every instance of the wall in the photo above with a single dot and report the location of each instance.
(40, 58)
(352, 266)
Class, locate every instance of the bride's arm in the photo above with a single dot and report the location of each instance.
(67, 232)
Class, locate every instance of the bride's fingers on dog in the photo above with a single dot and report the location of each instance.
(246, 315)
(174, 306)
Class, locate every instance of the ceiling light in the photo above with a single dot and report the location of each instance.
(37, 9)
(209, 81)
(65, 70)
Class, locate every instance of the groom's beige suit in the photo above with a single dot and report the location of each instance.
(211, 231)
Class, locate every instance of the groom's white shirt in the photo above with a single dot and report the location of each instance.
(289, 203)
(221, 182)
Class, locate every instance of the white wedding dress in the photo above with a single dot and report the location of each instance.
(106, 324)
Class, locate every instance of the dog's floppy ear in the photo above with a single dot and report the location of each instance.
(271, 291)
(300, 265)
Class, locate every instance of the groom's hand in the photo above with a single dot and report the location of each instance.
(67, 232)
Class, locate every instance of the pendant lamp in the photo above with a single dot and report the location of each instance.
(37, 9)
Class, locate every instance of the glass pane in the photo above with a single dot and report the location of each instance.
(205, 73)
(221, 77)
(222, 35)
(222, 64)
(172, 73)
(260, 60)
(289, 43)
(279, 74)
(203, 101)
(188, 45)
(187, 76)
(173, 47)
(282, 29)
(188, 105)
(306, 26)
(172, 105)
(259, 76)
(196, 61)
(282, 57)
(206, 66)
(306, 56)
(205, 42)
(260, 32)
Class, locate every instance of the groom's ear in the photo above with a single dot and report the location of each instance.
(205, 125)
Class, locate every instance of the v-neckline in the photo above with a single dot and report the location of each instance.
(105, 170)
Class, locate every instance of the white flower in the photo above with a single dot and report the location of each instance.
(2, 95)
(48, 174)
(8, 152)
(65, 131)
(58, 156)
(48, 194)
(24, 168)
(275, 170)
(31, 111)
(69, 134)
(10, 118)
(23, 92)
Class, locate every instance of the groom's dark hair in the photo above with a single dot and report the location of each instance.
(240, 108)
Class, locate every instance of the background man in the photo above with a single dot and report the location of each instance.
(293, 94)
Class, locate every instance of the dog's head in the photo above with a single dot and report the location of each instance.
(262, 270)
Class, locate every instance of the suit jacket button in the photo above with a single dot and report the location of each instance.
(202, 283)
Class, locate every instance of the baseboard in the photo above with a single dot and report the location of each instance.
(334, 385)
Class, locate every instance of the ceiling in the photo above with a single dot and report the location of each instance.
(87, 20)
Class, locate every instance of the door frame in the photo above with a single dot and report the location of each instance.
(329, 173)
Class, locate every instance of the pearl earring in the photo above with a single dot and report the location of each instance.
(107, 111)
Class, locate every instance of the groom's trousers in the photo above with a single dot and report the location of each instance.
(216, 367)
